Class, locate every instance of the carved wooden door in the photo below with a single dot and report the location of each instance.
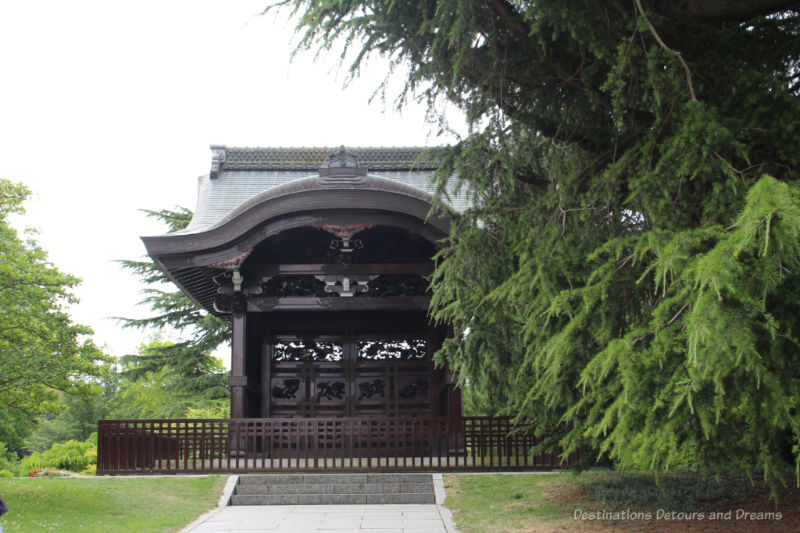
(309, 377)
(392, 376)
(353, 375)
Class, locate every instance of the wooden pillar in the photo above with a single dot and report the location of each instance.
(238, 379)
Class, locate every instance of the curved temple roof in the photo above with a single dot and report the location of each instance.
(247, 186)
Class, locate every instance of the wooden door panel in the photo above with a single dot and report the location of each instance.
(367, 375)
(315, 374)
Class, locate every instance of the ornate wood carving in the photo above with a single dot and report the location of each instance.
(344, 232)
(408, 350)
(345, 286)
(230, 303)
(330, 390)
(318, 365)
(289, 389)
(399, 285)
(307, 351)
(351, 375)
(371, 388)
(283, 286)
(418, 387)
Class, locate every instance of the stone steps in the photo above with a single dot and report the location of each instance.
(318, 489)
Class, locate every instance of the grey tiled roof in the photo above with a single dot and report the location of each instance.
(389, 158)
(239, 174)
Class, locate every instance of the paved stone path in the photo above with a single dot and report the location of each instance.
(406, 518)
(325, 519)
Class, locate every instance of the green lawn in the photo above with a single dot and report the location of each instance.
(495, 503)
(489, 503)
(103, 505)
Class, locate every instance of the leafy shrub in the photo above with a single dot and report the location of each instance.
(71, 455)
(90, 470)
(210, 410)
(91, 455)
(6, 473)
(8, 460)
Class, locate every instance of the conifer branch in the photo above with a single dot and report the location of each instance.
(668, 49)
(678, 314)
(623, 263)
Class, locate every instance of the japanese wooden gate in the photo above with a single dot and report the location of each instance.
(326, 282)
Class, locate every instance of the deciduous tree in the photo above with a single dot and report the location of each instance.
(41, 350)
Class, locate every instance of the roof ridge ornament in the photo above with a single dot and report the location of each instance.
(342, 167)
(218, 156)
(342, 159)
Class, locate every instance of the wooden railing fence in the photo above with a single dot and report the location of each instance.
(318, 444)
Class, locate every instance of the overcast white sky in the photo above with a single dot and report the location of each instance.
(108, 107)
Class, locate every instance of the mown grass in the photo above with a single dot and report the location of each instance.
(493, 503)
(103, 505)
(489, 503)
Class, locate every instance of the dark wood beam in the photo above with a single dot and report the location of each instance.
(238, 380)
(268, 270)
(361, 303)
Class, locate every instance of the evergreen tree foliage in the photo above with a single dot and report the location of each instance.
(627, 273)
(160, 383)
(186, 367)
(41, 350)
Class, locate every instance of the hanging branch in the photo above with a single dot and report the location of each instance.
(668, 49)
